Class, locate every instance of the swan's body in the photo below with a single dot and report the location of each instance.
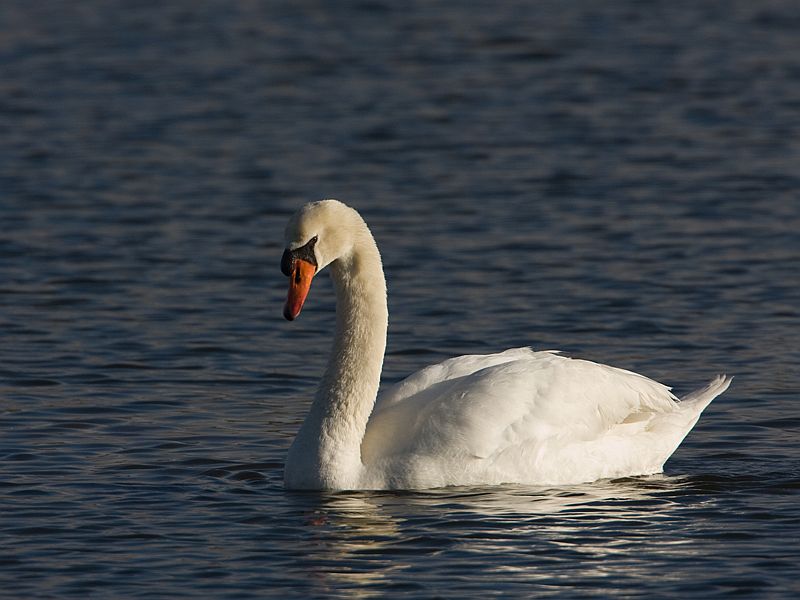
(515, 417)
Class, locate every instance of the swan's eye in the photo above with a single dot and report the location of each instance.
(304, 252)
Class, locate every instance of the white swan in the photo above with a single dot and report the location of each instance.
(515, 417)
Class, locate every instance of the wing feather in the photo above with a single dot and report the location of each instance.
(479, 406)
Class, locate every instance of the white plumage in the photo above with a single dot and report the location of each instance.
(515, 417)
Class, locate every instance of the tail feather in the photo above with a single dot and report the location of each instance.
(701, 397)
(690, 408)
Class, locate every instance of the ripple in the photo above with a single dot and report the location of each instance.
(591, 178)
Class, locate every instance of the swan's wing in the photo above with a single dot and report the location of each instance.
(452, 368)
(478, 407)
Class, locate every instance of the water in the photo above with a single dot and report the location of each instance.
(618, 181)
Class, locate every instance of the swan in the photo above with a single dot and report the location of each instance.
(519, 416)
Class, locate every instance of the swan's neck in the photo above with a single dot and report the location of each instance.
(327, 451)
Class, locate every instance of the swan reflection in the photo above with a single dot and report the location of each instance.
(361, 539)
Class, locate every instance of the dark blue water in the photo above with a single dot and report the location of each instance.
(616, 180)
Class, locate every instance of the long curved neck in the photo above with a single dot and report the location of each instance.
(327, 451)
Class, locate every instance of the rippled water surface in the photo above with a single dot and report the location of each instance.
(617, 180)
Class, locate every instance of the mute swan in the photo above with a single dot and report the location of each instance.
(515, 417)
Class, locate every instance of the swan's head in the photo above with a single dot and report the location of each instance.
(316, 235)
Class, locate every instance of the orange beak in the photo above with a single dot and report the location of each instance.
(299, 283)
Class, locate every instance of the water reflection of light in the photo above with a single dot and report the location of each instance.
(545, 536)
(593, 531)
(351, 537)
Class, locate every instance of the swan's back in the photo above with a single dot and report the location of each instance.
(526, 417)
